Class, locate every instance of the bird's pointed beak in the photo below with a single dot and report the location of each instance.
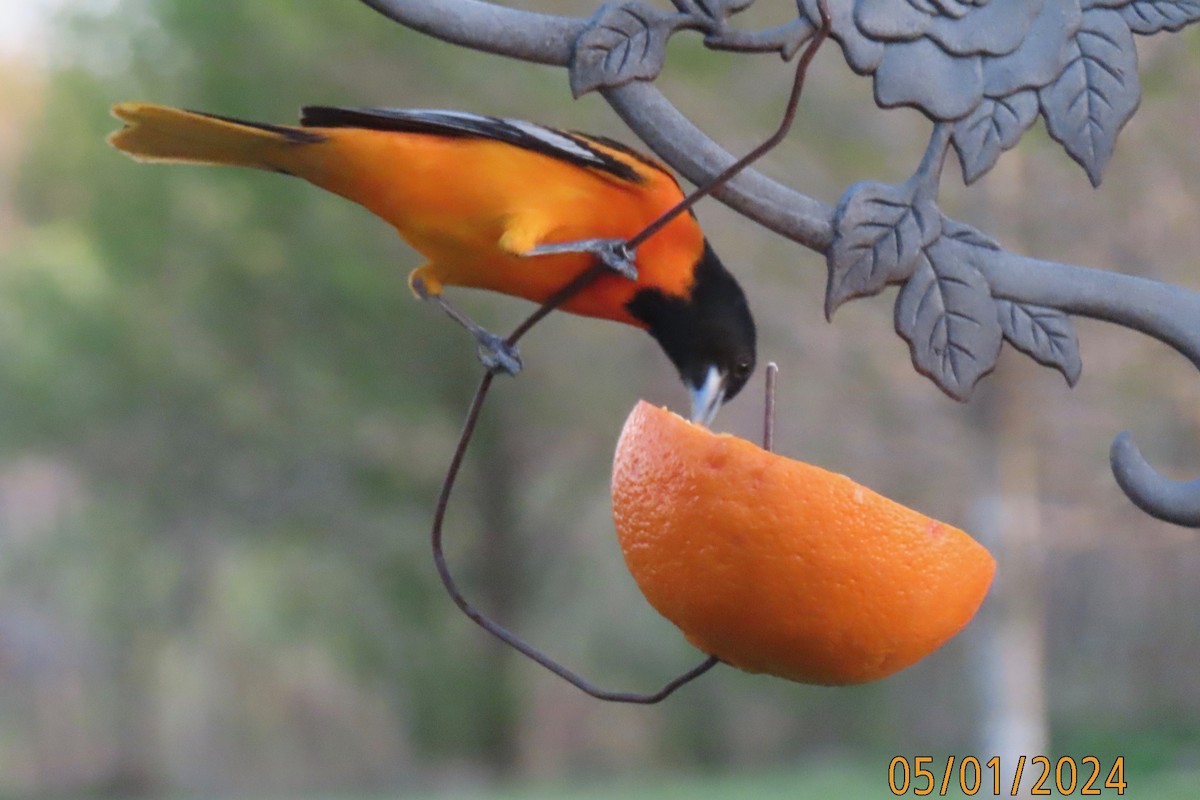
(707, 397)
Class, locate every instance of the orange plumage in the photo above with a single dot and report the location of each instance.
(474, 195)
(469, 205)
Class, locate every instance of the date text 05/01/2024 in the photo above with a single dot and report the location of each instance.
(917, 775)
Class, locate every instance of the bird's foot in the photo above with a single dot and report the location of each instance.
(497, 355)
(613, 253)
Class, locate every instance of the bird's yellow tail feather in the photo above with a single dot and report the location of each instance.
(160, 133)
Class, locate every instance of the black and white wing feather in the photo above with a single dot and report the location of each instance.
(574, 148)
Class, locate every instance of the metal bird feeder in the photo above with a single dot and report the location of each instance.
(982, 71)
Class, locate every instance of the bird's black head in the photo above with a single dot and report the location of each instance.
(708, 335)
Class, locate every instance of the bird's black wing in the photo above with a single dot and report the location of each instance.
(574, 148)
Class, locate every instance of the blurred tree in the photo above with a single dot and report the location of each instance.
(227, 372)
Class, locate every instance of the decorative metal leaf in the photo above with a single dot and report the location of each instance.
(879, 231)
(1097, 93)
(995, 125)
(1153, 16)
(1046, 334)
(621, 44)
(961, 232)
(947, 314)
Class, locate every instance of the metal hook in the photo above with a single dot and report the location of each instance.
(1159, 496)
(1170, 314)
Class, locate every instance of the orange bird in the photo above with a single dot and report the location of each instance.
(504, 205)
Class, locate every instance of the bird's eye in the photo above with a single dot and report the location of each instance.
(742, 369)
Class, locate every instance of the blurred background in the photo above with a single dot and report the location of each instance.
(223, 421)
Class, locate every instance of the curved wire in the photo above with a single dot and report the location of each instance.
(789, 115)
(499, 631)
(576, 285)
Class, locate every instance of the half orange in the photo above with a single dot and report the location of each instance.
(777, 566)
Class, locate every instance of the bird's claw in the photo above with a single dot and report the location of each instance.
(497, 355)
(613, 253)
(616, 255)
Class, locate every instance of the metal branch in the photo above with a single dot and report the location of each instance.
(698, 158)
(1168, 313)
(526, 35)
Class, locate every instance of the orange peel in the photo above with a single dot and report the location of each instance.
(777, 566)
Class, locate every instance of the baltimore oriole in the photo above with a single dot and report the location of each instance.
(499, 204)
